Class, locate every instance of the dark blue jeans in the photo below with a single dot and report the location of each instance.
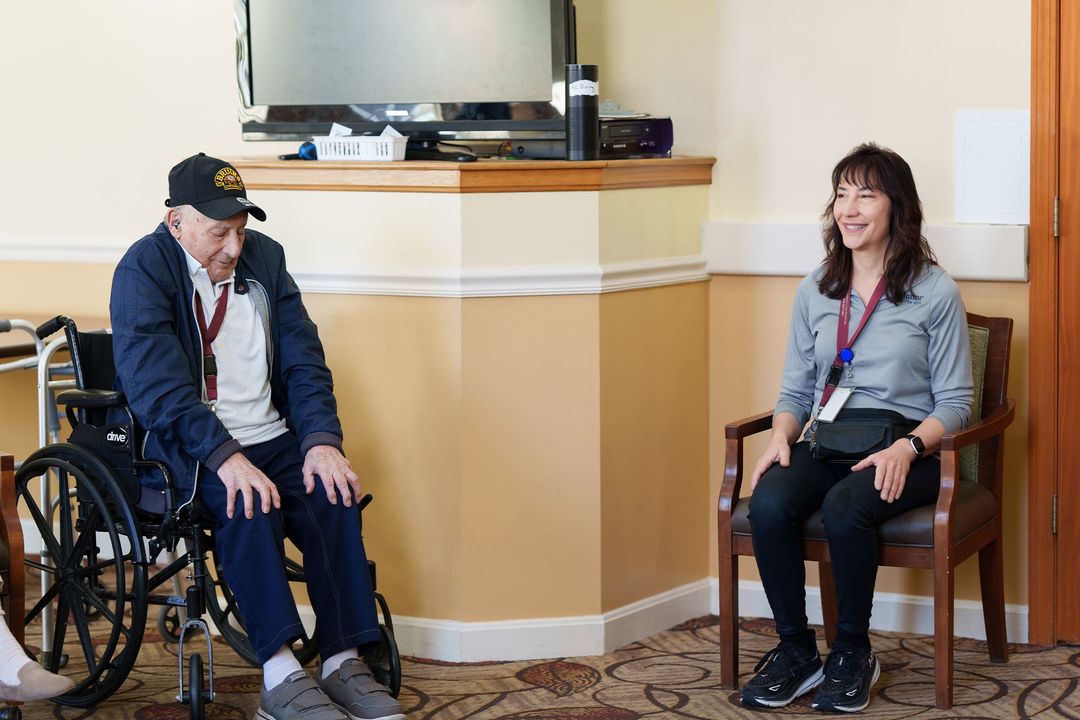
(851, 511)
(252, 554)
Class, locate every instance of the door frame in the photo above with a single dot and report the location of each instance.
(1043, 431)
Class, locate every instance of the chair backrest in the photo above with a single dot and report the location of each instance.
(94, 366)
(92, 356)
(991, 338)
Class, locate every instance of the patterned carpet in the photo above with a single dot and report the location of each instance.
(670, 675)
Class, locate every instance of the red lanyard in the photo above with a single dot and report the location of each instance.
(843, 345)
(209, 334)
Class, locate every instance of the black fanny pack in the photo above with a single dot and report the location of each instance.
(856, 433)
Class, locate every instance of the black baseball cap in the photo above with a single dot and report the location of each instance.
(211, 186)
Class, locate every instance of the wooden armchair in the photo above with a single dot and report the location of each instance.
(966, 518)
(13, 595)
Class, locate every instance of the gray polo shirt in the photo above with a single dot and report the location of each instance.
(913, 357)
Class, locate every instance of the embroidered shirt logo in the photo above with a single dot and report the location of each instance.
(228, 179)
(912, 299)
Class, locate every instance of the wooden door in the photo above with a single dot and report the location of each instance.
(1067, 596)
(1054, 382)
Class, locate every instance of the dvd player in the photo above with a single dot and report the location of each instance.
(626, 137)
(620, 137)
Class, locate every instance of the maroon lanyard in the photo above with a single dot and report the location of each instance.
(843, 344)
(209, 334)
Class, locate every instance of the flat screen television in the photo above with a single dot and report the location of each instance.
(435, 69)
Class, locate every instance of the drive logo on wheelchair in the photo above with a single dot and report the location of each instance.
(117, 437)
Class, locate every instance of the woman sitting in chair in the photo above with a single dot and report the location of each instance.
(878, 360)
(22, 679)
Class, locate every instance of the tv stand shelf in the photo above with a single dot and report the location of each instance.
(482, 176)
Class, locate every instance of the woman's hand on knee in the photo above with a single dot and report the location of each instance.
(778, 451)
(891, 469)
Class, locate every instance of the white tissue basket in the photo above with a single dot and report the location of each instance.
(361, 147)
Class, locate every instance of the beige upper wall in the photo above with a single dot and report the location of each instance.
(656, 58)
(801, 83)
(779, 90)
(101, 100)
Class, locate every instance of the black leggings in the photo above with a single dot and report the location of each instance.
(851, 510)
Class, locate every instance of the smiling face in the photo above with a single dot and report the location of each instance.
(862, 214)
(216, 244)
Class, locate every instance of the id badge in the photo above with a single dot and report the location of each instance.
(836, 401)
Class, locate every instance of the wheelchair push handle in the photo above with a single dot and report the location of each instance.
(49, 327)
(5, 326)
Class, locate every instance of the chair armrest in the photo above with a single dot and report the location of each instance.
(733, 459)
(991, 425)
(11, 530)
(91, 398)
(748, 426)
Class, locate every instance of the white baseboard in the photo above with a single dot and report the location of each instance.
(893, 612)
(531, 639)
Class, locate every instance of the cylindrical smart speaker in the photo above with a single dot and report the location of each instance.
(582, 112)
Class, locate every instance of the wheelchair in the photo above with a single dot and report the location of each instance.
(103, 535)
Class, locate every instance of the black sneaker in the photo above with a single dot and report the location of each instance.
(783, 674)
(849, 675)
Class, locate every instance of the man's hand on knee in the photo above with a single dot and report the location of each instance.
(334, 470)
(238, 475)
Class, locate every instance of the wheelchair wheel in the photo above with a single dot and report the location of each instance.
(196, 698)
(384, 661)
(222, 607)
(96, 562)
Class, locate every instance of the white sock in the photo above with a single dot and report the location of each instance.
(332, 663)
(12, 657)
(281, 665)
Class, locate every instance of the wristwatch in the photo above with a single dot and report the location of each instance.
(916, 444)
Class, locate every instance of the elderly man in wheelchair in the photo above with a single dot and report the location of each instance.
(222, 386)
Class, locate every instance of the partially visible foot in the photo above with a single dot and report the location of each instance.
(783, 674)
(849, 675)
(297, 697)
(356, 691)
(35, 683)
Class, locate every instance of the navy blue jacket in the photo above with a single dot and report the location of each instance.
(158, 354)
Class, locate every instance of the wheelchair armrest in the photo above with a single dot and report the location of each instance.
(91, 398)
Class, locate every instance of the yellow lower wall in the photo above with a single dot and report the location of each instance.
(530, 465)
(530, 456)
(748, 329)
(654, 446)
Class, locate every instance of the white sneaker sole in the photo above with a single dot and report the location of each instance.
(395, 716)
(808, 684)
(856, 708)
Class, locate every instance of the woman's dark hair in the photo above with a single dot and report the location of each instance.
(908, 253)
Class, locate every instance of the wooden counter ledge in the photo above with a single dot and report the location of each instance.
(482, 176)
